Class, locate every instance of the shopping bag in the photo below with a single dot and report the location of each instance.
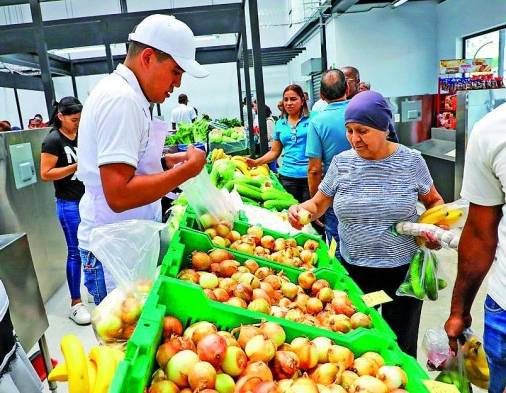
(455, 373)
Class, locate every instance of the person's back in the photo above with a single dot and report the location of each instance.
(182, 113)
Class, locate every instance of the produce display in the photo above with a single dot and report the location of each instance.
(86, 374)
(233, 134)
(189, 133)
(257, 359)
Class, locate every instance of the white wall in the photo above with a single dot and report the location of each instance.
(460, 18)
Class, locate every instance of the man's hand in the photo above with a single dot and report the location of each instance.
(196, 159)
(293, 217)
(455, 326)
(175, 158)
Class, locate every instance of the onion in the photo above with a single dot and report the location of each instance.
(218, 255)
(228, 285)
(251, 265)
(233, 236)
(172, 326)
(189, 275)
(182, 343)
(267, 241)
(291, 242)
(295, 314)
(285, 365)
(342, 305)
(318, 285)
(274, 331)
(368, 383)
(234, 362)
(274, 281)
(376, 357)
(284, 302)
(212, 349)
(301, 301)
(325, 374)
(222, 230)
(279, 244)
(256, 232)
(263, 272)
(323, 345)
(250, 279)
(180, 365)
(237, 302)
(211, 232)
(339, 323)
(243, 269)
(227, 267)
(303, 385)
(246, 248)
(341, 356)
(235, 245)
(251, 240)
(348, 379)
(208, 280)
(260, 305)
(259, 293)
(237, 276)
(229, 338)
(243, 291)
(314, 305)
(202, 376)
(285, 384)
(258, 369)
(360, 320)
(325, 295)
(247, 384)
(214, 268)
(260, 348)
(224, 383)
(363, 366)
(246, 333)
(306, 352)
(158, 375)
(267, 387)
(219, 241)
(165, 352)
(221, 295)
(200, 260)
(392, 376)
(268, 289)
(306, 279)
(333, 388)
(289, 290)
(163, 386)
(260, 251)
(311, 245)
(277, 311)
(199, 330)
(210, 294)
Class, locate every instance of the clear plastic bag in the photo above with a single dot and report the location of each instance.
(455, 373)
(129, 250)
(447, 239)
(209, 203)
(423, 280)
(435, 343)
(449, 215)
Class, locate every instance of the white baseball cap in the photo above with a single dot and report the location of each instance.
(171, 36)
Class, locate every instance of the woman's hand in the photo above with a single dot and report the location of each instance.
(293, 217)
(251, 162)
(428, 240)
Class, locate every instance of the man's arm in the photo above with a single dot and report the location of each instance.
(314, 175)
(477, 249)
(124, 190)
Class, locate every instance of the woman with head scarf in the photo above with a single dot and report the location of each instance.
(58, 163)
(373, 186)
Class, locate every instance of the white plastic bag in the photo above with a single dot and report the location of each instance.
(435, 343)
(129, 250)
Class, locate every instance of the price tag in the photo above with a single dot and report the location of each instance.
(333, 248)
(440, 387)
(374, 298)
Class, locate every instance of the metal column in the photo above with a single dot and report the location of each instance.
(259, 76)
(123, 6)
(73, 79)
(40, 42)
(18, 106)
(247, 85)
(323, 42)
(239, 88)
(502, 42)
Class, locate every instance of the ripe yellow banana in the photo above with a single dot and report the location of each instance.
(242, 166)
(105, 359)
(58, 373)
(452, 218)
(434, 217)
(432, 210)
(77, 367)
(92, 374)
(239, 158)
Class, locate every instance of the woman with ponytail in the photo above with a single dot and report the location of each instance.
(58, 163)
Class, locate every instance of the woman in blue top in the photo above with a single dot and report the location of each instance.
(375, 185)
(289, 138)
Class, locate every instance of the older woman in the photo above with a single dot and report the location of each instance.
(375, 185)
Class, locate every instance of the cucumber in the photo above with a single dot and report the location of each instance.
(249, 201)
(244, 181)
(271, 194)
(279, 204)
(415, 275)
(430, 277)
(249, 192)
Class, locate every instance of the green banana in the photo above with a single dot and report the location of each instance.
(430, 277)
(415, 275)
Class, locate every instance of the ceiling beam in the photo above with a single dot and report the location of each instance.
(341, 6)
(88, 31)
(59, 65)
(16, 81)
(4, 3)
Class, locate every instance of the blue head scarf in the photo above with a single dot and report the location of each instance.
(371, 109)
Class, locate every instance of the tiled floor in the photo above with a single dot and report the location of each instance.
(434, 315)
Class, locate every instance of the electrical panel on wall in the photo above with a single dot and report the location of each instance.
(23, 166)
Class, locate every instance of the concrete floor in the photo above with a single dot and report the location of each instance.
(434, 315)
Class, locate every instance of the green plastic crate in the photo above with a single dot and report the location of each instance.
(188, 303)
(241, 226)
(184, 242)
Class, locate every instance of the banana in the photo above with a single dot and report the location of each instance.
(92, 374)
(58, 374)
(105, 359)
(239, 158)
(242, 166)
(476, 362)
(432, 210)
(119, 355)
(435, 217)
(452, 218)
(77, 366)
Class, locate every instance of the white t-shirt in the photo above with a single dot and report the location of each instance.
(182, 114)
(319, 106)
(114, 128)
(484, 184)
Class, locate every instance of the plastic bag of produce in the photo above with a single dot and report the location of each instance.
(435, 343)
(447, 239)
(423, 280)
(209, 203)
(475, 360)
(129, 251)
(455, 373)
(448, 216)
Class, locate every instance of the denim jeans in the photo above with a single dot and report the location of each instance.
(331, 232)
(94, 279)
(68, 214)
(494, 337)
(298, 187)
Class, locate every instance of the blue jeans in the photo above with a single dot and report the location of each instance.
(494, 338)
(68, 214)
(94, 279)
(331, 223)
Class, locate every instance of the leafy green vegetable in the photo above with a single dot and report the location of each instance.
(231, 123)
(189, 133)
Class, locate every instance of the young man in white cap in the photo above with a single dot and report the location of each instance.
(120, 145)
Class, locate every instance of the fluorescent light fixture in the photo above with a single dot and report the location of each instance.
(210, 37)
(399, 2)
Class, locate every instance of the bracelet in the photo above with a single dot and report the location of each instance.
(164, 164)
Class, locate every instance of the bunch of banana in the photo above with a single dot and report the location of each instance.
(241, 165)
(92, 374)
(261, 170)
(441, 215)
(475, 362)
(218, 154)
